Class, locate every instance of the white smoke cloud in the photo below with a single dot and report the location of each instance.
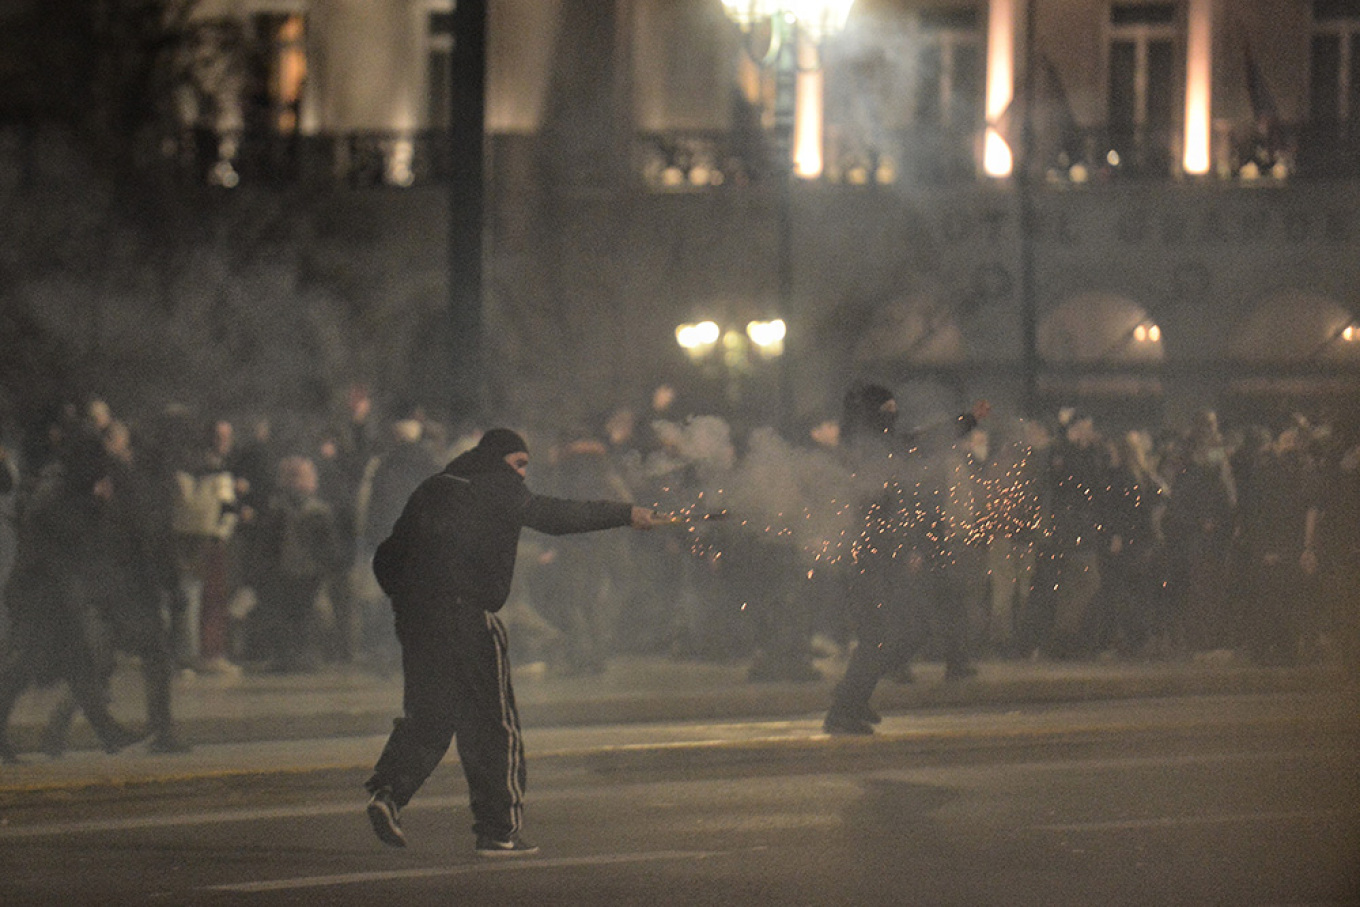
(811, 499)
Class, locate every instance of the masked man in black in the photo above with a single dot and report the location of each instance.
(447, 567)
(896, 589)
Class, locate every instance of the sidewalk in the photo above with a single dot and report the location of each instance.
(348, 702)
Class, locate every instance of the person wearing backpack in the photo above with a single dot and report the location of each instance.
(447, 566)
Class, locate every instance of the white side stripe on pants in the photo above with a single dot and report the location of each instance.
(509, 721)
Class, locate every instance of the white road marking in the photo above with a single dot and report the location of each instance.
(217, 817)
(436, 872)
(1196, 821)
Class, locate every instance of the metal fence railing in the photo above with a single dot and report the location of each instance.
(707, 160)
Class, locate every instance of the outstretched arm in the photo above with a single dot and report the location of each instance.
(946, 432)
(564, 516)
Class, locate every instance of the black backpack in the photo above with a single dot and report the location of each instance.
(389, 566)
(391, 559)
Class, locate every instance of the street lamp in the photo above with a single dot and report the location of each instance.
(1147, 332)
(699, 340)
(796, 30)
(730, 355)
(767, 337)
(819, 17)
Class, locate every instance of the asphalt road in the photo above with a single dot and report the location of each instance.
(1206, 800)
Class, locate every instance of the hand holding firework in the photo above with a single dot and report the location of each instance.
(644, 518)
(686, 518)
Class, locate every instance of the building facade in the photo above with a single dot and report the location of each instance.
(1138, 206)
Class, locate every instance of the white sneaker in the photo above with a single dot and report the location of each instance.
(515, 846)
(382, 813)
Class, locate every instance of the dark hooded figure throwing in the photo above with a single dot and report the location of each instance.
(447, 567)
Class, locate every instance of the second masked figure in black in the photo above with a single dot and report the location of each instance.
(896, 591)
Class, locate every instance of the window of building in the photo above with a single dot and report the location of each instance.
(1143, 96)
(280, 69)
(1334, 76)
(438, 67)
(949, 88)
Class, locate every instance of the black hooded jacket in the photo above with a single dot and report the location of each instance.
(459, 532)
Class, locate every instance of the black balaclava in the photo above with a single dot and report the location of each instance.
(501, 442)
(489, 454)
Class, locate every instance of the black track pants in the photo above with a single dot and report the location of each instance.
(457, 685)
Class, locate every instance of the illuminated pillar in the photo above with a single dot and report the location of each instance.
(997, 157)
(1198, 72)
(749, 82)
(809, 111)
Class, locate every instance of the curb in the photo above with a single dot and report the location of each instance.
(370, 710)
(1320, 717)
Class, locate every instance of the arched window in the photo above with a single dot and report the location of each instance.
(1098, 328)
(1295, 327)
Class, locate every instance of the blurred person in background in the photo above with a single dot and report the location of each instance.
(763, 571)
(357, 433)
(586, 602)
(9, 473)
(1199, 526)
(1012, 525)
(205, 519)
(9, 481)
(684, 604)
(635, 589)
(1128, 608)
(1338, 541)
(299, 547)
(343, 453)
(960, 614)
(56, 630)
(390, 478)
(1277, 522)
(253, 465)
(338, 486)
(138, 593)
(1067, 566)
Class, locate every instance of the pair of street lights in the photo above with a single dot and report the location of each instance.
(736, 359)
(701, 340)
(792, 33)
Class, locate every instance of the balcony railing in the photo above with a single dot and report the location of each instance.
(357, 159)
(696, 161)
